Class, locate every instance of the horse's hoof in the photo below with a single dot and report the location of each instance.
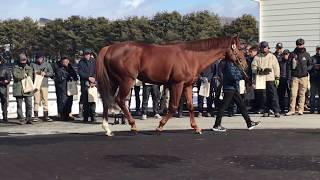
(109, 134)
(159, 131)
(198, 131)
(134, 131)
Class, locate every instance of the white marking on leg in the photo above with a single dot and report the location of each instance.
(105, 126)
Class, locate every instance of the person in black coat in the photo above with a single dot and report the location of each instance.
(205, 77)
(87, 73)
(64, 73)
(5, 78)
(285, 78)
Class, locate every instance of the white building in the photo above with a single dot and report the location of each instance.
(286, 21)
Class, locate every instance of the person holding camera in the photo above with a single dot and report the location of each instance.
(266, 63)
(42, 68)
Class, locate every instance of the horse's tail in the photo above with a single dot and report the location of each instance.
(104, 83)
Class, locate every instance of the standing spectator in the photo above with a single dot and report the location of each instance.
(265, 63)
(206, 77)
(314, 71)
(20, 72)
(155, 93)
(136, 89)
(65, 73)
(5, 78)
(87, 73)
(40, 67)
(231, 78)
(56, 66)
(299, 81)
(259, 94)
(279, 51)
(285, 78)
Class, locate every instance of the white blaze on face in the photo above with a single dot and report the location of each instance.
(105, 126)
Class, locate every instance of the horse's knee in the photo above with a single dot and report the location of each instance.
(173, 109)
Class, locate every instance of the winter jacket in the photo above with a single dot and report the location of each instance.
(86, 69)
(313, 71)
(44, 67)
(300, 63)
(19, 72)
(5, 74)
(62, 76)
(266, 61)
(285, 68)
(231, 76)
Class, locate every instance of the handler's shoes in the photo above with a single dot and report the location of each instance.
(253, 125)
(219, 129)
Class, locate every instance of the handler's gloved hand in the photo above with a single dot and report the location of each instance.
(267, 71)
(204, 79)
(277, 82)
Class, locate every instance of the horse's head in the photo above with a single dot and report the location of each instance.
(235, 54)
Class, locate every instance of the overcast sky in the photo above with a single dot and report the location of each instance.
(115, 9)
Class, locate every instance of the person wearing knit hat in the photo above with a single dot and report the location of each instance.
(21, 71)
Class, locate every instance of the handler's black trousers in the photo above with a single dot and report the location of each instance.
(227, 99)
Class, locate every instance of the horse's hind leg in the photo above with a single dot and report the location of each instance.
(175, 95)
(188, 94)
(124, 90)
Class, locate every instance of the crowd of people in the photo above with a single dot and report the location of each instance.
(291, 83)
(62, 72)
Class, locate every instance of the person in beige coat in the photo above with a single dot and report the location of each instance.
(265, 63)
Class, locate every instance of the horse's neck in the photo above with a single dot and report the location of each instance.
(209, 57)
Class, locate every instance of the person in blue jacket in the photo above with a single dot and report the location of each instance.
(231, 77)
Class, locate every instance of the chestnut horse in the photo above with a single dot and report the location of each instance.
(175, 65)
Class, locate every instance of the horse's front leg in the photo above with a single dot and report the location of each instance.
(188, 94)
(175, 95)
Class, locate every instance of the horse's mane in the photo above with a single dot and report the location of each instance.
(206, 44)
(197, 45)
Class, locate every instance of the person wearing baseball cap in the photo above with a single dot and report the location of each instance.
(284, 82)
(299, 81)
(265, 63)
